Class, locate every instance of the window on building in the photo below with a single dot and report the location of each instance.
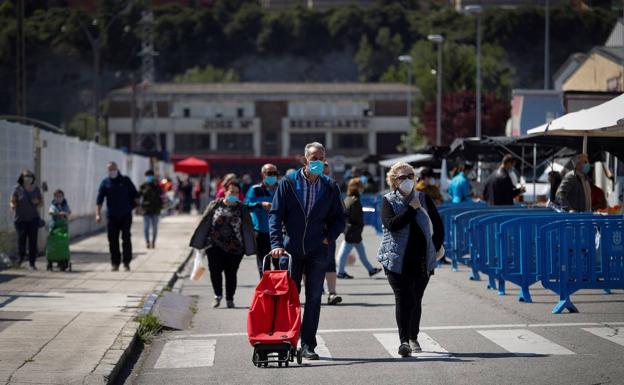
(298, 141)
(186, 112)
(387, 143)
(240, 112)
(235, 142)
(191, 142)
(350, 141)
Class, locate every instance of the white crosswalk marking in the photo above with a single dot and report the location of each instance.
(430, 348)
(186, 354)
(612, 334)
(321, 349)
(523, 342)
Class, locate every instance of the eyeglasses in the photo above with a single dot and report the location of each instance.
(407, 176)
(272, 173)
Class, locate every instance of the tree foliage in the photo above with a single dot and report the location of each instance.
(208, 74)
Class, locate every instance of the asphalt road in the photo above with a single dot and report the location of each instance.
(470, 335)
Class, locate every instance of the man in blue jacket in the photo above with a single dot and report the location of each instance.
(308, 205)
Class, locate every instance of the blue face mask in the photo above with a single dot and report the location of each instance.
(149, 178)
(232, 199)
(316, 167)
(586, 168)
(270, 180)
(364, 179)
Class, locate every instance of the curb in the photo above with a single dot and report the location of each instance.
(108, 369)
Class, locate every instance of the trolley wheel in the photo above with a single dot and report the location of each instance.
(70, 267)
(63, 265)
(299, 356)
(286, 363)
(255, 358)
(50, 267)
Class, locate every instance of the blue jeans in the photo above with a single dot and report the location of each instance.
(150, 220)
(314, 267)
(346, 248)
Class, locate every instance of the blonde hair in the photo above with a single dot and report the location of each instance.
(393, 173)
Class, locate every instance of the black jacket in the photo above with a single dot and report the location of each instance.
(499, 189)
(355, 219)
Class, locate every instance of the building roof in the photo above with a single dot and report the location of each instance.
(274, 88)
(615, 54)
(573, 62)
(616, 38)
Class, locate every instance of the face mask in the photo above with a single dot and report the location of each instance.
(113, 174)
(231, 199)
(586, 168)
(58, 200)
(316, 167)
(407, 186)
(28, 180)
(432, 182)
(364, 179)
(270, 180)
(149, 178)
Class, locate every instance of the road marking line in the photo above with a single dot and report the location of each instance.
(321, 349)
(612, 334)
(187, 354)
(523, 342)
(455, 327)
(430, 348)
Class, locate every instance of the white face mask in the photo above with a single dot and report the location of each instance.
(432, 182)
(113, 174)
(407, 186)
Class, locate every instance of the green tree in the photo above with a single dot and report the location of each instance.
(208, 74)
(373, 60)
(82, 125)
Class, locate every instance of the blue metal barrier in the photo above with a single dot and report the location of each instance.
(581, 254)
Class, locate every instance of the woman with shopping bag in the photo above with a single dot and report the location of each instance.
(57, 247)
(226, 233)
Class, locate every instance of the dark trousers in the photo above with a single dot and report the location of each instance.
(27, 231)
(408, 292)
(220, 262)
(115, 226)
(263, 245)
(314, 267)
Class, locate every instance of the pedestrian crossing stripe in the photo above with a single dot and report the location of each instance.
(430, 348)
(187, 354)
(611, 334)
(321, 349)
(522, 342)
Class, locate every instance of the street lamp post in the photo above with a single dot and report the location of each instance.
(476, 10)
(408, 60)
(438, 39)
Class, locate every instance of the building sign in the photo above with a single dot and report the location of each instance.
(329, 123)
(227, 123)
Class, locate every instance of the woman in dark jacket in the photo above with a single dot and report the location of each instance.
(412, 241)
(226, 233)
(353, 230)
(25, 202)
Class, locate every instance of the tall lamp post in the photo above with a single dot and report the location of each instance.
(438, 39)
(476, 10)
(407, 59)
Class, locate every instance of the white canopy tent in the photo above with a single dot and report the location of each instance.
(413, 158)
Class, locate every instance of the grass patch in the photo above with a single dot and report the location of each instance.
(149, 327)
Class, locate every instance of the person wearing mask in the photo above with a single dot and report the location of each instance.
(57, 248)
(226, 233)
(308, 205)
(258, 200)
(574, 193)
(151, 197)
(459, 188)
(353, 231)
(221, 190)
(499, 190)
(121, 198)
(413, 235)
(427, 184)
(25, 202)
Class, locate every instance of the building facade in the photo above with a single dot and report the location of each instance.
(247, 120)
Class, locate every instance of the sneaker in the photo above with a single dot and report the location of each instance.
(334, 299)
(309, 354)
(344, 276)
(415, 346)
(126, 267)
(216, 301)
(230, 304)
(375, 270)
(115, 268)
(32, 267)
(405, 350)
(148, 245)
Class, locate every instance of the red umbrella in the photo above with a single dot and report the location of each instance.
(192, 165)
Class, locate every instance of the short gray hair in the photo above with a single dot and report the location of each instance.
(315, 145)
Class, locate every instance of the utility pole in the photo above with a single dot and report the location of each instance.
(547, 45)
(20, 78)
(148, 72)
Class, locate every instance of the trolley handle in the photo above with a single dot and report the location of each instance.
(287, 254)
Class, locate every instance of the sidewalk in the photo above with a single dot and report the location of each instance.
(73, 328)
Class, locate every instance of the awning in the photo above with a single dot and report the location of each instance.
(192, 165)
(411, 159)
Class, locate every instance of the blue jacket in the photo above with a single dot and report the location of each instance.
(120, 195)
(459, 189)
(305, 234)
(255, 196)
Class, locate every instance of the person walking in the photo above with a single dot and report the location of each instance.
(57, 247)
(499, 190)
(121, 198)
(413, 235)
(258, 199)
(226, 233)
(353, 231)
(459, 188)
(308, 205)
(151, 197)
(574, 193)
(25, 202)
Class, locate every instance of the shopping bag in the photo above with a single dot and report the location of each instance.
(199, 265)
(57, 247)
